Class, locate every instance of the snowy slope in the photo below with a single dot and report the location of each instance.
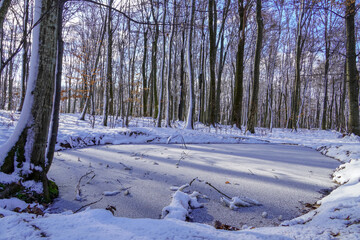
(337, 217)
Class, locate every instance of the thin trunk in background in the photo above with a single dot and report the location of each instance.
(24, 55)
(190, 120)
(168, 85)
(108, 93)
(162, 80)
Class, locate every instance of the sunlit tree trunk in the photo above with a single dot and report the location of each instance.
(189, 119)
(351, 70)
(25, 151)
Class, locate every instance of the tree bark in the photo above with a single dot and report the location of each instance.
(351, 70)
(212, 59)
(57, 97)
(162, 81)
(254, 98)
(168, 87)
(190, 120)
(4, 8)
(108, 93)
(24, 56)
(25, 151)
(239, 68)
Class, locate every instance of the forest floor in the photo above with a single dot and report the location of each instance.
(135, 179)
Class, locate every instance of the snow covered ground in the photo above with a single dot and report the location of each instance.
(338, 215)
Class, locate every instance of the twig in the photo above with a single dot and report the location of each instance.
(192, 181)
(183, 156)
(251, 172)
(217, 190)
(78, 190)
(175, 136)
(88, 205)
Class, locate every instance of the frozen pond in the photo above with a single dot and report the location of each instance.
(282, 178)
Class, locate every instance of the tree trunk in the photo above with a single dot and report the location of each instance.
(24, 56)
(351, 70)
(25, 151)
(326, 71)
(56, 107)
(154, 98)
(182, 80)
(254, 98)
(212, 59)
(159, 116)
(4, 7)
(108, 93)
(143, 71)
(190, 120)
(168, 87)
(239, 71)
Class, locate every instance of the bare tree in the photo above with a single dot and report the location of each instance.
(254, 99)
(190, 120)
(25, 151)
(352, 75)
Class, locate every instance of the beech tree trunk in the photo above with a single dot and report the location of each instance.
(24, 56)
(239, 68)
(351, 70)
(4, 7)
(168, 84)
(108, 93)
(25, 151)
(254, 99)
(212, 59)
(162, 80)
(190, 120)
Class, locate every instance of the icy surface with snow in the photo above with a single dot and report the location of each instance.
(338, 215)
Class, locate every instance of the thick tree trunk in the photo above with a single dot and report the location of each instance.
(212, 60)
(239, 69)
(25, 151)
(351, 70)
(57, 97)
(254, 99)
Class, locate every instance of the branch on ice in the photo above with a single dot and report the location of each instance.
(78, 189)
(237, 202)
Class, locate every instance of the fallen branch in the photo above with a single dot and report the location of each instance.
(218, 190)
(193, 181)
(89, 204)
(175, 136)
(183, 157)
(78, 189)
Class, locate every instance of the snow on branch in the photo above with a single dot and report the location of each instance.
(181, 204)
(237, 202)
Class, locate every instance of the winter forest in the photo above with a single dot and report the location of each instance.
(249, 63)
(79, 73)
